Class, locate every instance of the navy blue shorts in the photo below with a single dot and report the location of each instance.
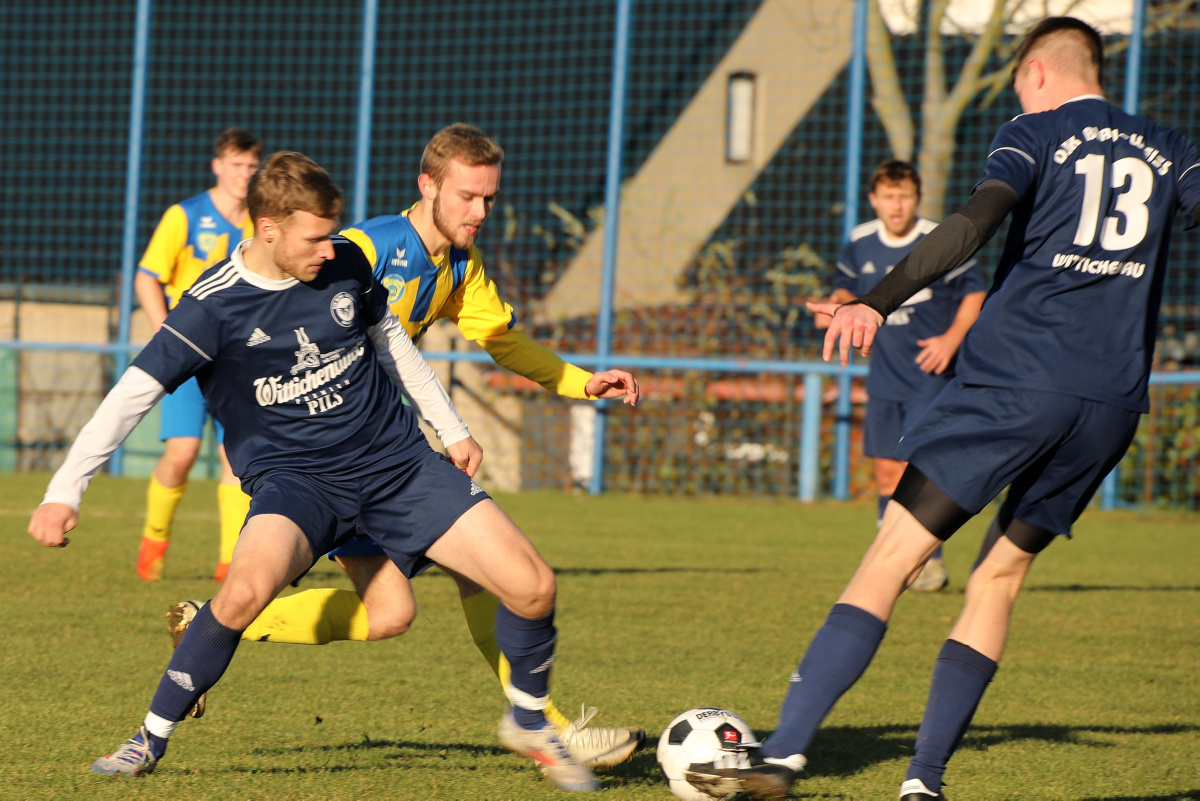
(403, 509)
(1053, 449)
(886, 422)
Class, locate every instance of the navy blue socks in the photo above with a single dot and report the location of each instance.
(835, 659)
(960, 677)
(197, 664)
(528, 645)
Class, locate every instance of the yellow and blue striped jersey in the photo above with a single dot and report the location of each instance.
(455, 287)
(191, 237)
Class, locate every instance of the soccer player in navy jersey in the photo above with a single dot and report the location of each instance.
(427, 260)
(1050, 382)
(297, 353)
(914, 352)
(192, 236)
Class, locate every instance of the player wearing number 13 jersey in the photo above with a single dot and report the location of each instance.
(1051, 380)
(1074, 307)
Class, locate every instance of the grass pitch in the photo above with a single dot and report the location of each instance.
(664, 604)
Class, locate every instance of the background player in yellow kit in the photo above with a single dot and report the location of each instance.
(192, 236)
(426, 258)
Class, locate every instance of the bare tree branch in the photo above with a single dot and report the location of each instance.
(887, 96)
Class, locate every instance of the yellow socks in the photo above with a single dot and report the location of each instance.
(480, 610)
(161, 503)
(312, 617)
(234, 505)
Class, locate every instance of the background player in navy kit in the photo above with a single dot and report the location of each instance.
(1049, 386)
(296, 351)
(427, 260)
(914, 352)
(192, 236)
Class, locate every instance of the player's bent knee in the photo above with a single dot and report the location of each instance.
(384, 625)
(239, 602)
(931, 507)
(1029, 538)
(536, 597)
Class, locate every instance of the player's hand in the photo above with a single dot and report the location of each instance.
(50, 522)
(854, 324)
(821, 320)
(466, 455)
(936, 353)
(614, 384)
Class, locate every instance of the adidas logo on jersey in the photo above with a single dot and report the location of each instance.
(399, 260)
(257, 338)
(868, 268)
(184, 680)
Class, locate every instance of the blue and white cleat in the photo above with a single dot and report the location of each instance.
(133, 758)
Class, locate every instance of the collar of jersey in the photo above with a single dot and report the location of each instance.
(900, 241)
(1085, 97)
(253, 278)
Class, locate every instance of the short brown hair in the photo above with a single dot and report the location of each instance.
(1062, 32)
(894, 171)
(238, 140)
(290, 182)
(460, 141)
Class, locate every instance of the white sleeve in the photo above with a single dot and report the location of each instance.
(408, 369)
(121, 410)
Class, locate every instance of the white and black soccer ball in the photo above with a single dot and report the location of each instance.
(699, 735)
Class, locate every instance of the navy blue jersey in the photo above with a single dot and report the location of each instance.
(289, 368)
(1074, 306)
(871, 254)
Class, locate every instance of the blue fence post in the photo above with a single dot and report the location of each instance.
(854, 136)
(810, 437)
(612, 214)
(366, 90)
(133, 172)
(1133, 76)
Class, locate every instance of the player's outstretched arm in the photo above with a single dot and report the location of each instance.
(121, 410)
(408, 369)
(520, 354)
(942, 250)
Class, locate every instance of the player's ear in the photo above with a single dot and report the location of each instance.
(428, 187)
(267, 229)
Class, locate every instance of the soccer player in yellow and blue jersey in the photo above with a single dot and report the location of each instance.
(192, 236)
(427, 260)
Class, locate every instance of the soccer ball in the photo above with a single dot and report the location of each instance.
(698, 735)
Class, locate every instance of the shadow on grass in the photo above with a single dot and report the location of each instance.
(366, 744)
(842, 751)
(1106, 588)
(1187, 795)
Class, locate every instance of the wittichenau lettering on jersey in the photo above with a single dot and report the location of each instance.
(319, 370)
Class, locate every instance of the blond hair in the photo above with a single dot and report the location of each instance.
(290, 182)
(459, 142)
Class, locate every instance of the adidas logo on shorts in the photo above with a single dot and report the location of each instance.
(475, 489)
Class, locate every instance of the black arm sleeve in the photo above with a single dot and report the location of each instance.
(944, 248)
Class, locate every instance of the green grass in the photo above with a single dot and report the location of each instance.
(664, 604)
